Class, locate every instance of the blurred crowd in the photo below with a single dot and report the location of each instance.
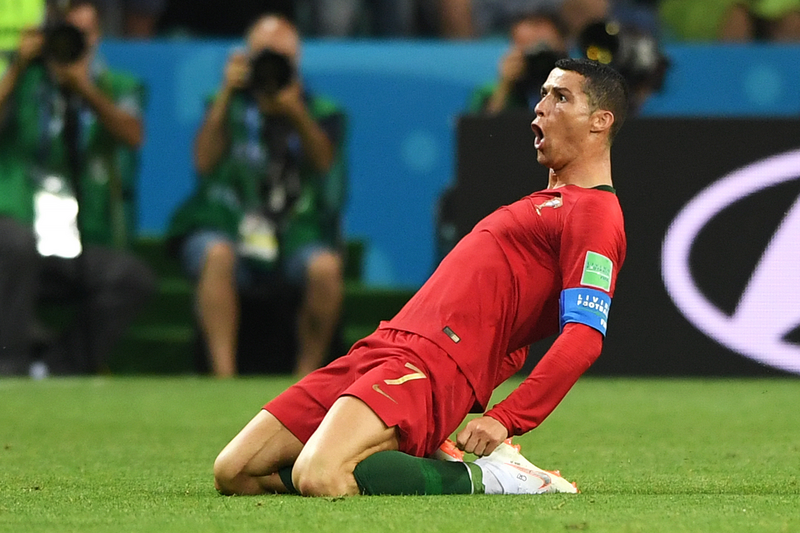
(679, 20)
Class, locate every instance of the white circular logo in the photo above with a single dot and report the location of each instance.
(769, 307)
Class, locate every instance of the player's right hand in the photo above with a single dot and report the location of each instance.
(481, 436)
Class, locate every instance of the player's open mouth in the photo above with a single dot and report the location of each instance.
(538, 136)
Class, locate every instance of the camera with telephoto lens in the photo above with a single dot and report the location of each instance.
(270, 72)
(540, 59)
(634, 53)
(63, 43)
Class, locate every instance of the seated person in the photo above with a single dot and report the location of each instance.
(69, 133)
(270, 160)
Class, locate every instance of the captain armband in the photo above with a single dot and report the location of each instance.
(585, 306)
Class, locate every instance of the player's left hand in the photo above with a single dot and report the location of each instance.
(481, 436)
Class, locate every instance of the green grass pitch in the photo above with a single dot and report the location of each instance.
(135, 454)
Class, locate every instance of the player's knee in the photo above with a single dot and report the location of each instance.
(314, 476)
(226, 476)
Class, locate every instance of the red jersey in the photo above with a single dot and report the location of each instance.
(498, 290)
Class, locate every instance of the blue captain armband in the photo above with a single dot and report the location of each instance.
(585, 306)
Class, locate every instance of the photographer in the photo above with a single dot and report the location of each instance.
(69, 133)
(538, 39)
(633, 51)
(266, 210)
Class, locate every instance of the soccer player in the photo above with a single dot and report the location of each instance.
(369, 421)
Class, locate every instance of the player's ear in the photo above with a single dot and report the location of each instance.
(601, 120)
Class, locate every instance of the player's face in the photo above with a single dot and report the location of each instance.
(562, 122)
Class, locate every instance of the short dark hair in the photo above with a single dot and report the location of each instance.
(604, 87)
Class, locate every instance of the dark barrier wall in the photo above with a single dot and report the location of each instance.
(711, 284)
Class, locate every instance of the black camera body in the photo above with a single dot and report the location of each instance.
(540, 59)
(63, 43)
(635, 54)
(270, 72)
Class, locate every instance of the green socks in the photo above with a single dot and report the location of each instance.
(285, 474)
(398, 473)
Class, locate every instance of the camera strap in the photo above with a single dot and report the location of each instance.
(258, 229)
(273, 153)
(56, 197)
(53, 105)
(272, 157)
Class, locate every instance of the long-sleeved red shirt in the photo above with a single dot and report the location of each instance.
(498, 291)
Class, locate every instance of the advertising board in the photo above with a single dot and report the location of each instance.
(711, 283)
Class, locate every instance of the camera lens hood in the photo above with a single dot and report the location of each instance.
(64, 43)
